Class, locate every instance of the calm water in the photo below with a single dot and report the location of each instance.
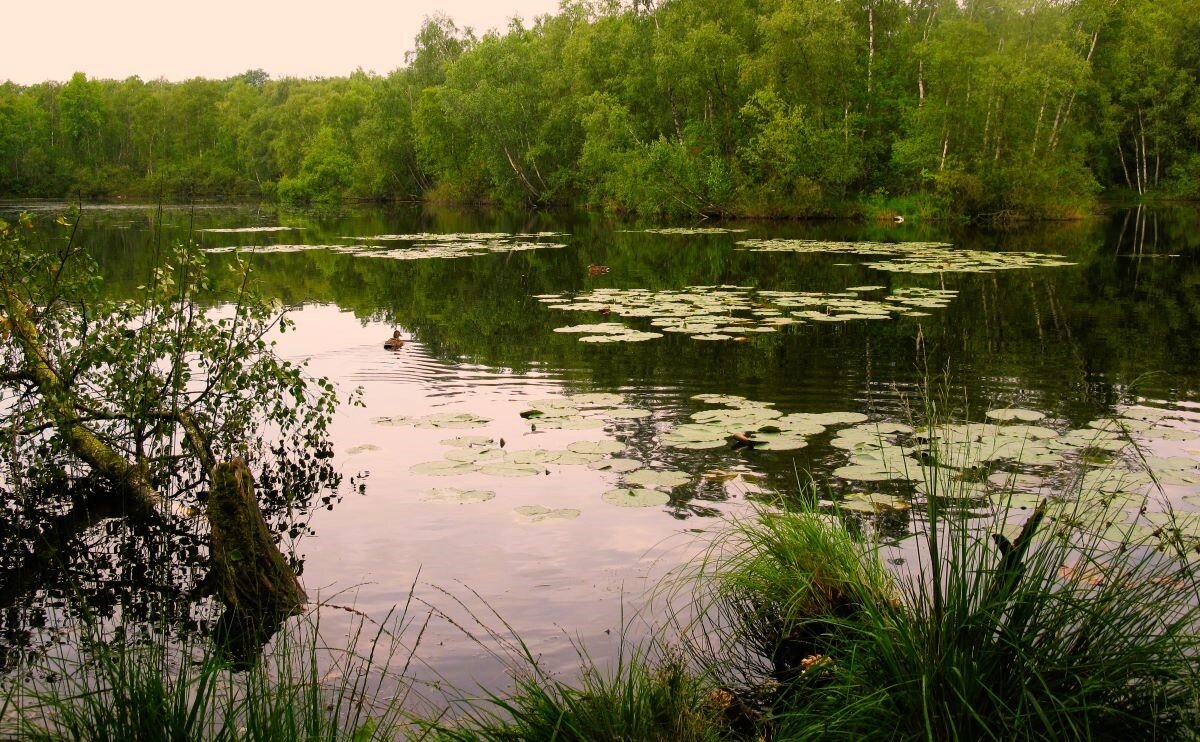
(1073, 341)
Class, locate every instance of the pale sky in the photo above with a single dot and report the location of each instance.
(220, 38)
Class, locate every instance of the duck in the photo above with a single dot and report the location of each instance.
(394, 342)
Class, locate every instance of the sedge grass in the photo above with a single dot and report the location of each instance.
(1028, 626)
(165, 689)
(647, 692)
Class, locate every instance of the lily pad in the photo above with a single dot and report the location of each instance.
(598, 399)
(780, 443)
(655, 478)
(862, 474)
(533, 456)
(450, 495)
(362, 448)
(510, 469)
(469, 441)
(600, 447)
(872, 503)
(476, 455)
(572, 422)
(1013, 413)
(453, 420)
(1017, 500)
(574, 458)
(616, 465)
(443, 468)
(397, 420)
(539, 514)
(635, 498)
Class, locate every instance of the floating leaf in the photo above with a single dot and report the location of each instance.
(534, 456)
(239, 230)
(600, 447)
(438, 420)
(539, 514)
(655, 478)
(452, 420)
(574, 458)
(599, 399)
(719, 475)
(443, 468)
(915, 257)
(363, 448)
(1013, 413)
(872, 503)
(510, 469)
(780, 443)
(476, 455)
(573, 422)
(862, 474)
(468, 441)
(616, 465)
(686, 230)
(450, 495)
(603, 328)
(635, 498)
(1016, 481)
(397, 420)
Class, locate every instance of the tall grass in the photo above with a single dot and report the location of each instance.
(648, 692)
(1049, 632)
(644, 695)
(187, 690)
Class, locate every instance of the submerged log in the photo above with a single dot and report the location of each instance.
(247, 570)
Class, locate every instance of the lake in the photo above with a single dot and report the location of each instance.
(523, 450)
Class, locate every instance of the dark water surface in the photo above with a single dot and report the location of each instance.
(1073, 341)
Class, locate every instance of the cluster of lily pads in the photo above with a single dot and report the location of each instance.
(730, 312)
(424, 247)
(452, 246)
(427, 237)
(267, 249)
(915, 257)
(684, 230)
(753, 424)
(470, 454)
(239, 230)
(1097, 474)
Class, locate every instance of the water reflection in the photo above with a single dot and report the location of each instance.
(1071, 341)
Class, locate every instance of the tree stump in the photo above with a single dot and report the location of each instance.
(247, 570)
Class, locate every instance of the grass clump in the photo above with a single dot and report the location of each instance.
(114, 689)
(1052, 634)
(642, 697)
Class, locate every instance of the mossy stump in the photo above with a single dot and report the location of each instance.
(247, 570)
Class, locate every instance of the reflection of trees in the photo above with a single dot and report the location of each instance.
(1066, 339)
(71, 555)
(1120, 313)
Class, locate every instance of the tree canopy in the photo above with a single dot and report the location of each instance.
(753, 107)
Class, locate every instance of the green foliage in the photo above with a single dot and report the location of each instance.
(781, 107)
(325, 173)
(644, 696)
(1052, 634)
(169, 690)
(153, 387)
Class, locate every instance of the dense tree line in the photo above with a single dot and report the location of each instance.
(754, 107)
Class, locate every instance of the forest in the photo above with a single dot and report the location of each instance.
(757, 108)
